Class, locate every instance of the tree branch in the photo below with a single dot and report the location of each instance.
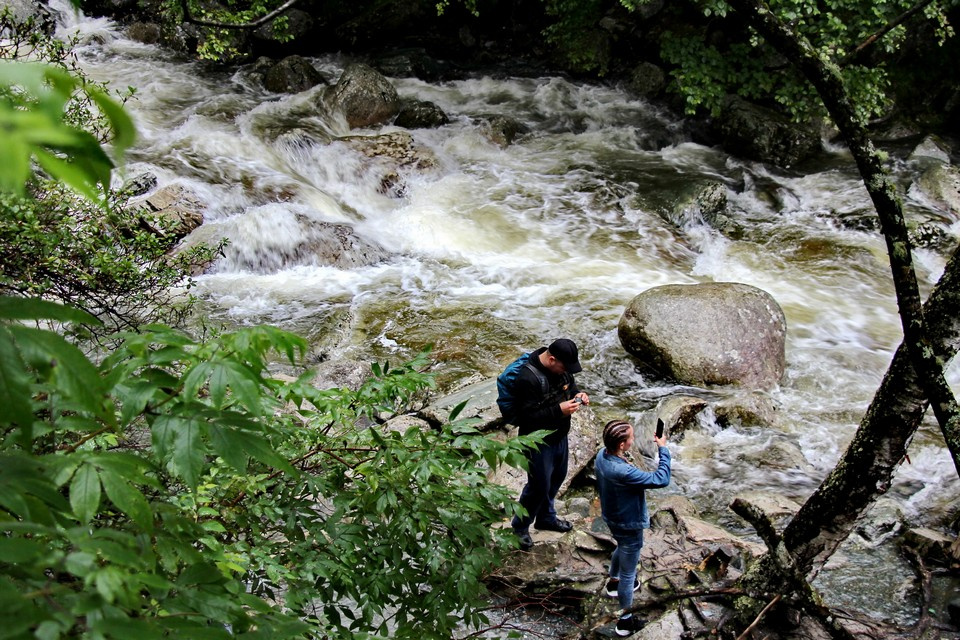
(188, 17)
(887, 28)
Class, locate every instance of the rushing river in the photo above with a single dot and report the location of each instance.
(497, 250)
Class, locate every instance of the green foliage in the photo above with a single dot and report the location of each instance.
(175, 488)
(576, 34)
(83, 245)
(67, 153)
(706, 69)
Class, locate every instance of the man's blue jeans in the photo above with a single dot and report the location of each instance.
(547, 471)
(623, 562)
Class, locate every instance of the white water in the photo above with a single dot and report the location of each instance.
(497, 250)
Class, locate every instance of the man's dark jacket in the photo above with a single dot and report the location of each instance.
(536, 410)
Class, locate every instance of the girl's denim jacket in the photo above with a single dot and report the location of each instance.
(621, 486)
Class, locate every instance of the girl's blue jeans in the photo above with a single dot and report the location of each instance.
(623, 563)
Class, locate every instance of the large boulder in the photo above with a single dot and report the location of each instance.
(721, 333)
(364, 96)
(758, 133)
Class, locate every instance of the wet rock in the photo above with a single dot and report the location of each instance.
(647, 80)
(176, 208)
(664, 327)
(364, 97)
(932, 149)
(293, 74)
(758, 133)
(883, 521)
(408, 63)
(139, 184)
(745, 410)
(420, 115)
(273, 237)
(503, 130)
(145, 32)
(932, 546)
(940, 186)
(701, 203)
(777, 453)
(23, 11)
(393, 155)
(679, 413)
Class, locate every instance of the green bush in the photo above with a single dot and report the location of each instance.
(66, 235)
(175, 488)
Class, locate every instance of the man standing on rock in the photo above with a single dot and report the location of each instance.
(546, 396)
(623, 505)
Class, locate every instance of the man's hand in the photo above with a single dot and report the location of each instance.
(570, 407)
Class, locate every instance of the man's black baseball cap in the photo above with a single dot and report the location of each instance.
(566, 352)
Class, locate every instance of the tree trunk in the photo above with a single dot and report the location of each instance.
(864, 472)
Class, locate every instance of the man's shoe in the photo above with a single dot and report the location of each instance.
(557, 525)
(629, 626)
(613, 583)
(526, 542)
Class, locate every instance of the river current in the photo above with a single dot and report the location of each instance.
(498, 250)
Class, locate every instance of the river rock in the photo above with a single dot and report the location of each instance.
(178, 210)
(364, 96)
(23, 10)
(392, 156)
(292, 74)
(679, 413)
(145, 32)
(408, 63)
(940, 186)
(481, 404)
(720, 333)
(702, 203)
(503, 130)
(420, 114)
(932, 546)
(272, 237)
(932, 149)
(647, 80)
(745, 410)
(758, 133)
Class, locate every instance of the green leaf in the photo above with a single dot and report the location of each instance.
(127, 498)
(189, 449)
(21, 550)
(85, 492)
(13, 308)
(236, 445)
(70, 370)
(14, 389)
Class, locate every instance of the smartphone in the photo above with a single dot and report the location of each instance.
(659, 428)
